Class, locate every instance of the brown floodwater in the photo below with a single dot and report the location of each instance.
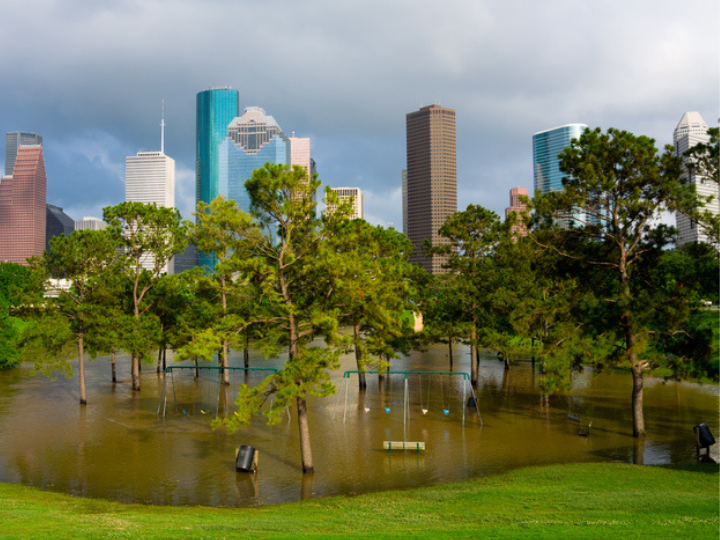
(118, 447)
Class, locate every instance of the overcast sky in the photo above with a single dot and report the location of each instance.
(89, 76)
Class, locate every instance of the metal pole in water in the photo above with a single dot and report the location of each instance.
(346, 399)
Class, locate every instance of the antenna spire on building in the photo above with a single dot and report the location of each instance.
(162, 129)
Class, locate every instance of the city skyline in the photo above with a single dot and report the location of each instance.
(348, 83)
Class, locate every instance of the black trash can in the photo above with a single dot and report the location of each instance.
(705, 438)
(245, 458)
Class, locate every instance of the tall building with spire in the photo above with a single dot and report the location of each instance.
(150, 179)
(23, 211)
(431, 179)
(692, 130)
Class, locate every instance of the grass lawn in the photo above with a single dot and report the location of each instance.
(602, 501)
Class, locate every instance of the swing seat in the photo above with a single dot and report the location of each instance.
(576, 422)
(403, 445)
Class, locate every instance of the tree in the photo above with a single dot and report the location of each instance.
(616, 185)
(702, 159)
(294, 274)
(149, 236)
(374, 290)
(473, 236)
(85, 259)
(15, 282)
(225, 231)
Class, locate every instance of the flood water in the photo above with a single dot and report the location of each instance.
(118, 446)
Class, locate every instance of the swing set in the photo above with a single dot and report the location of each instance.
(170, 370)
(425, 392)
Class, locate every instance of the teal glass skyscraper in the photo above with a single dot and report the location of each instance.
(216, 108)
(546, 147)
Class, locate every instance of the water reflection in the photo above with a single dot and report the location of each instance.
(118, 447)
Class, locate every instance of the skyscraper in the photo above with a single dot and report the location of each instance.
(431, 178)
(546, 165)
(546, 147)
(23, 211)
(692, 130)
(150, 179)
(357, 198)
(215, 109)
(253, 140)
(57, 222)
(13, 141)
(517, 206)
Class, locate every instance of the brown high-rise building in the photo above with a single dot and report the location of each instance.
(431, 179)
(22, 207)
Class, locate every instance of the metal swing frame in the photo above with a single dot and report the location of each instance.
(171, 369)
(406, 396)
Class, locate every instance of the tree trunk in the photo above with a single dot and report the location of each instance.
(81, 366)
(226, 372)
(164, 366)
(362, 383)
(305, 451)
(135, 372)
(450, 352)
(246, 356)
(112, 364)
(159, 360)
(196, 372)
(637, 401)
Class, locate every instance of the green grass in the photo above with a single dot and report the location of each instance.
(602, 501)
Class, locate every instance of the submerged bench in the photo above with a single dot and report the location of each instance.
(576, 421)
(403, 445)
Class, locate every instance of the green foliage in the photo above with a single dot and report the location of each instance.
(147, 235)
(616, 185)
(375, 284)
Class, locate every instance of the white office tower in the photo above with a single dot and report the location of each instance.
(89, 223)
(357, 201)
(692, 130)
(150, 178)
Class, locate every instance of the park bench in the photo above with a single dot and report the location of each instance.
(403, 445)
(575, 421)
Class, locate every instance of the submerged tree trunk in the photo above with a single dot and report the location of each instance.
(305, 450)
(112, 364)
(450, 352)
(81, 366)
(362, 383)
(136, 372)
(159, 360)
(196, 373)
(637, 401)
(246, 355)
(164, 366)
